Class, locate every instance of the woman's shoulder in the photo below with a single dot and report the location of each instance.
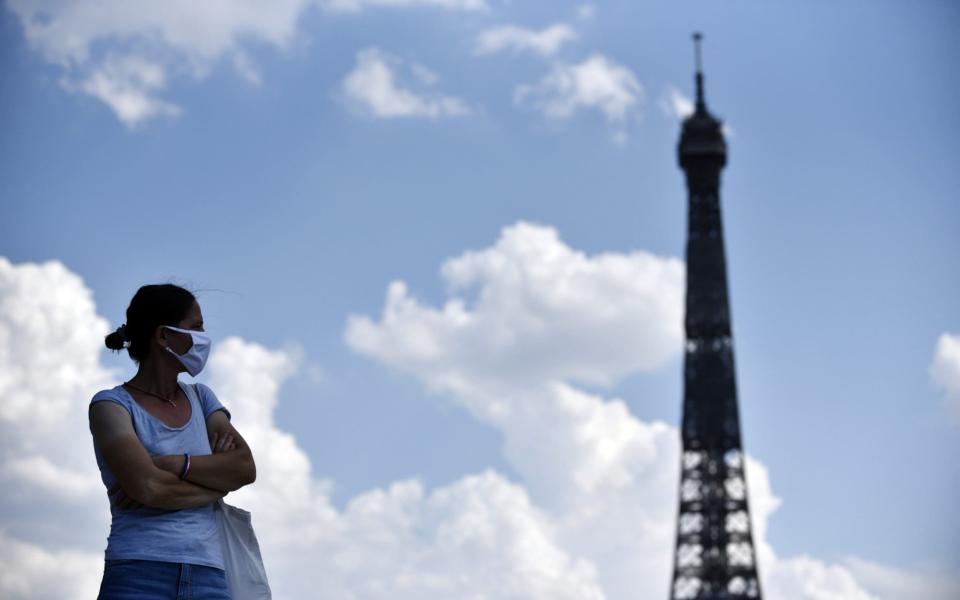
(203, 391)
(208, 400)
(115, 394)
(202, 388)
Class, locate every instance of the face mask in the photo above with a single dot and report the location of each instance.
(196, 357)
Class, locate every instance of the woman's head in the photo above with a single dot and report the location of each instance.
(153, 307)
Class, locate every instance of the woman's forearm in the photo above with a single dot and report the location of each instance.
(167, 491)
(224, 471)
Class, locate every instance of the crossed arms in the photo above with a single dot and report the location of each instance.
(154, 481)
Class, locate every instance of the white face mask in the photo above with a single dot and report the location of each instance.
(196, 357)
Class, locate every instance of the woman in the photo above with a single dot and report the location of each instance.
(167, 452)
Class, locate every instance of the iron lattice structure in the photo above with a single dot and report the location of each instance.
(715, 557)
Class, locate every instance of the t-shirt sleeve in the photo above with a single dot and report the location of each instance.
(209, 401)
(111, 396)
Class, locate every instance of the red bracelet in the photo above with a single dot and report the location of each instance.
(186, 466)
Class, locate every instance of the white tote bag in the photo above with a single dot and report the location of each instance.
(246, 577)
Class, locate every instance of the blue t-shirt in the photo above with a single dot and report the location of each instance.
(187, 535)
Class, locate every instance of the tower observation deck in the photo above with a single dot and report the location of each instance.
(715, 557)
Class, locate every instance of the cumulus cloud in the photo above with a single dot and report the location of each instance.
(478, 537)
(358, 5)
(49, 344)
(892, 583)
(675, 103)
(945, 372)
(31, 571)
(545, 42)
(53, 511)
(590, 517)
(127, 84)
(543, 316)
(124, 52)
(374, 87)
(597, 83)
(530, 309)
(808, 578)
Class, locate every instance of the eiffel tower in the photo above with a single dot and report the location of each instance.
(715, 557)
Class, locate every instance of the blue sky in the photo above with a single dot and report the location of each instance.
(292, 204)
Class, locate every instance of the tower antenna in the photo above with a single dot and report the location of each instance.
(697, 38)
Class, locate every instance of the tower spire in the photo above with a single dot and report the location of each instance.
(697, 38)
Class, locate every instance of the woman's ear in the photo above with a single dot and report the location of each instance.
(160, 336)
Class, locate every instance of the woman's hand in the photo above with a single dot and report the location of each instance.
(121, 500)
(230, 465)
(222, 443)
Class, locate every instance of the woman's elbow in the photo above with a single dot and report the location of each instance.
(249, 471)
(156, 491)
(244, 473)
(149, 492)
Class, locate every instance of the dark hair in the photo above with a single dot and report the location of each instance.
(151, 307)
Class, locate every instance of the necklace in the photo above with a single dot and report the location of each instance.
(149, 393)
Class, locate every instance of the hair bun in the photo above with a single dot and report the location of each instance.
(118, 339)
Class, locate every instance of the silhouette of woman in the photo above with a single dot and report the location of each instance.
(166, 452)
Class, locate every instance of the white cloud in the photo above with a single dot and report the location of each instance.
(892, 583)
(479, 537)
(597, 83)
(124, 52)
(542, 312)
(246, 68)
(945, 372)
(586, 11)
(423, 74)
(127, 84)
(675, 103)
(373, 87)
(591, 516)
(357, 5)
(66, 32)
(400, 542)
(48, 344)
(39, 472)
(53, 512)
(30, 571)
(511, 37)
(806, 578)
(540, 320)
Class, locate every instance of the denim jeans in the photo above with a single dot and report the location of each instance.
(154, 580)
